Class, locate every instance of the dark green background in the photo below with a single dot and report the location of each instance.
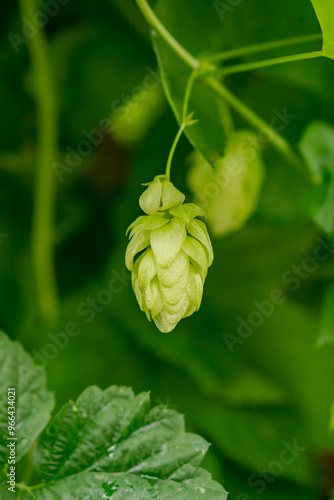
(277, 386)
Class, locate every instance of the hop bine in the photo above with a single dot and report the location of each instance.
(169, 254)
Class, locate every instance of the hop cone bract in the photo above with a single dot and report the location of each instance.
(168, 254)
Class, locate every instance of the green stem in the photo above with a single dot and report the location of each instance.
(189, 87)
(264, 47)
(23, 487)
(29, 469)
(282, 145)
(277, 140)
(37, 486)
(43, 216)
(240, 68)
(172, 151)
(172, 42)
(184, 121)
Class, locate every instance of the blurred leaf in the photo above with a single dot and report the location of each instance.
(311, 75)
(33, 402)
(132, 122)
(229, 192)
(16, 122)
(8, 495)
(317, 147)
(252, 388)
(285, 194)
(325, 12)
(327, 319)
(86, 58)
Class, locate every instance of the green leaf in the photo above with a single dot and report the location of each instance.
(117, 435)
(83, 431)
(203, 28)
(317, 147)
(8, 495)
(95, 486)
(82, 64)
(207, 135)
(33, 402)
(327, 319)
(325, 13)
(285, 194)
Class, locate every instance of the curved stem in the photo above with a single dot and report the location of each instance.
(282, 145)
(43, 216)
(277, 140)
(172, 150)
(264, 47)
(240, 68)
(184, 120)
(37, 486)
(172, 42)
(187, 94)
(23, 487)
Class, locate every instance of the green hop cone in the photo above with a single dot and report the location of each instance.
(169, 254)
(229, 193)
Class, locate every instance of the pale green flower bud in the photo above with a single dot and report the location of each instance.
(160, 195)
(169, 254)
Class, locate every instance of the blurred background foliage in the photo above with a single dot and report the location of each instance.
(277, 385)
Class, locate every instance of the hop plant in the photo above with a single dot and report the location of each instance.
(169, 254)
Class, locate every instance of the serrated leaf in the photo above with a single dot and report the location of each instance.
(158, 427)
(325, 13)
(33, 402)
(111, 444)
(317, 147)
(95, 486)
(82, 432)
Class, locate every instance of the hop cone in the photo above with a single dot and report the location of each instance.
(168, 254)
(229, 193)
